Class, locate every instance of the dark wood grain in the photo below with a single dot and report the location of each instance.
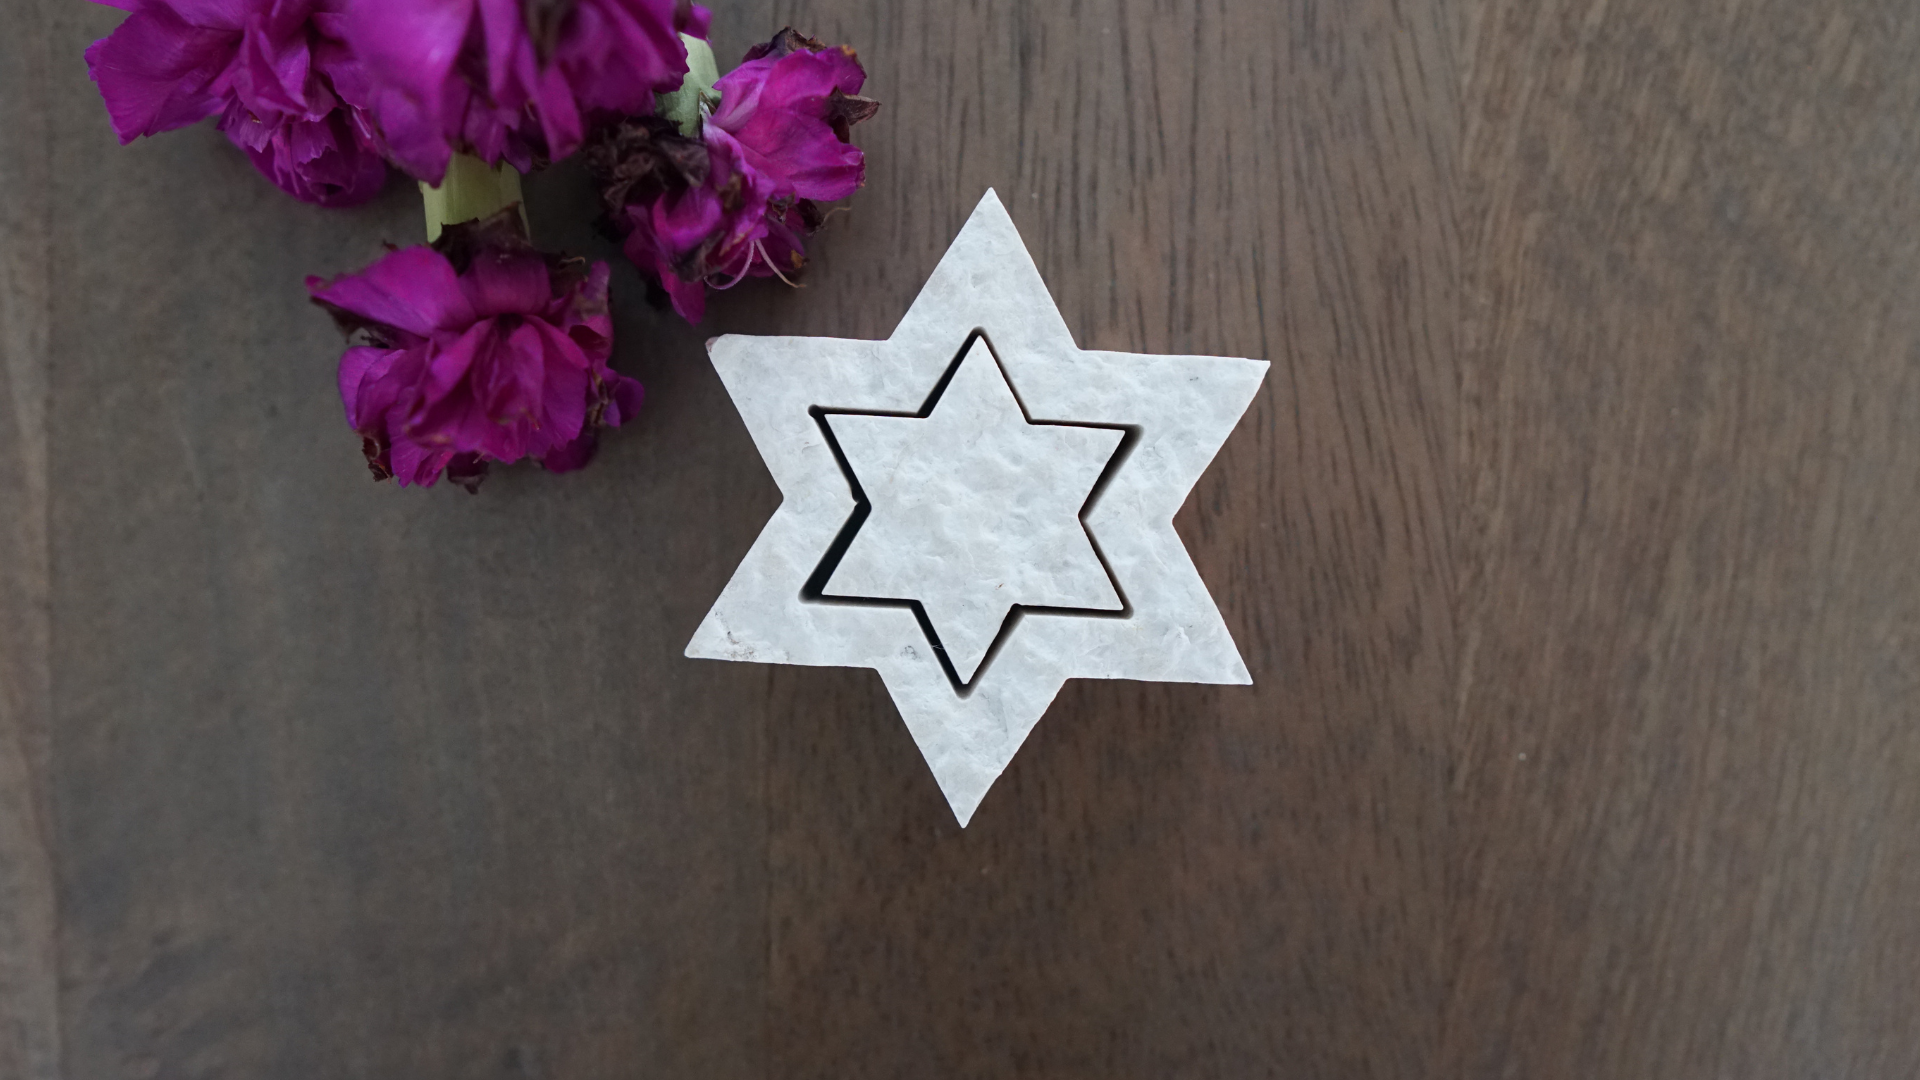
(1569, 544)
(1690, 705)
(29, 1015)
(353, 781)
(1168, 881)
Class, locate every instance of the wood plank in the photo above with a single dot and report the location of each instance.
(1169, 881)
(355, 781)
(1692, 431)
(29, 1017)
(1569, 545)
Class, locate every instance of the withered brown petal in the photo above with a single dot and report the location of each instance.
(544, 20)
(377, 461)
(504, 231)
(467, 470)
(638, 159)
(788, 40)
(846, 110)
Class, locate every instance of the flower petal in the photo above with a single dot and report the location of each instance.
(274, 74)
(157, 72)
(414, 290)
(514, 366)
(624, 398)
(359, 369)
(417, 464)
(503, 282)
(215, 14)
(574, 455)
(564, 395)
(780, 113)
(412, 46)
(471, 75)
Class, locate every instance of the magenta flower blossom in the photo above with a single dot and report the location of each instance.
(513, 80)
(274, 71)
(740, 200)
(476, 350)
(788, 107)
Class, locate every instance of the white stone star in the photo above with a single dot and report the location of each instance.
(989, 496)
(975, 510)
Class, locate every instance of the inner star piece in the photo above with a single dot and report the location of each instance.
(977, 532)
(974, 510)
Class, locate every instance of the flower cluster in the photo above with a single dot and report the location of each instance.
(475, 350)
(479, 348)
(514, 80)
(275, 72)
(740, 195)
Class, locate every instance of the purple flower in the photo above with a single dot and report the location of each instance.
(274, 71)
(513, 80)
(788, 108)
(475, 350)
(741, 199)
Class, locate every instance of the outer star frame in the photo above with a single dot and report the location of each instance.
(1183, 407)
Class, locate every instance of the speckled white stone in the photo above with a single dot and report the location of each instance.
(1183, 408)
(974, 510)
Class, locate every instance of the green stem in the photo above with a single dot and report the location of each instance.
(682, 106)
(471, 190)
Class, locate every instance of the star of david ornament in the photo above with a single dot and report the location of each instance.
(977, 509)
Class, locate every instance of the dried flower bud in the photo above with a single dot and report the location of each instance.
(276, 74)
(475, 350)
(741, 198)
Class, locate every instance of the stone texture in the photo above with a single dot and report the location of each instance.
(975, 510)
(1183, 407)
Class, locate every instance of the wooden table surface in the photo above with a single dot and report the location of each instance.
(1571, 545)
